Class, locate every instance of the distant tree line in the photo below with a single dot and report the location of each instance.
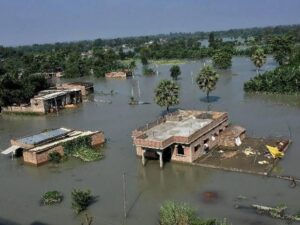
(22, 67)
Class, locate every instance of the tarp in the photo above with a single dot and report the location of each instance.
(11, 149)
(275, 152)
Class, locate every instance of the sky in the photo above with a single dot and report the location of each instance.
(48, 21)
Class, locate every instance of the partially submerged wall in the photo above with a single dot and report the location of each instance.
(40, 157)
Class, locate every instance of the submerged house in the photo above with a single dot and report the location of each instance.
(185, 135)
(119, 74)
(48, 101)
(86, 88)
(35, 149)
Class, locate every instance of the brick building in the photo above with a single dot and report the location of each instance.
(86, 88)
(35, 149)
(47, 101)
(182, 136)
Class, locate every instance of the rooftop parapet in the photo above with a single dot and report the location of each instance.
(183, 126)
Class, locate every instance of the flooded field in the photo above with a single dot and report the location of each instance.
(147, 187)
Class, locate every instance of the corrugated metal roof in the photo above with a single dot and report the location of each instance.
(41, 137)
(11, 149)
(53, 94)
(73, 135)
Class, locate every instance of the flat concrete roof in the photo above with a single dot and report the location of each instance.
(184, 128)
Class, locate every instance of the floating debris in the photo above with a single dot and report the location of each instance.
(263, 162)
(249, 151)
(103, 101)
(210, 196)
(278, 212)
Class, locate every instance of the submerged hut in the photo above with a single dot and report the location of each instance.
(35, 149)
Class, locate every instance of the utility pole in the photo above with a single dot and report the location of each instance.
(124, 197)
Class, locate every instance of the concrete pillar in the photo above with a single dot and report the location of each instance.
(161, 163)
(143, 157)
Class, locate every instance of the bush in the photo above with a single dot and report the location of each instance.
(148, 71)
(82, 142)
(55, 157)
(222, 59)
(282, 80)
(87, 154)
(81, 200)
(51, 197)
(172, 213)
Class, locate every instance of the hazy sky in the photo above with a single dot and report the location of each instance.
(44, 21)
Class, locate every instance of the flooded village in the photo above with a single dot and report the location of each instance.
(177, 130)
(166, 113)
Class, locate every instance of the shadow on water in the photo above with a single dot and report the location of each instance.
(171, 110)
(134, 202)
(9, 222)
(210, 99)
(38, 223)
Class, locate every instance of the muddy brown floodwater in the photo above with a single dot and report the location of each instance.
(147, 187)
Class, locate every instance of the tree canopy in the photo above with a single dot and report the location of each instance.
(167, 94)
(207, 80)
(222, 58)
(259, 58)
(175, 72)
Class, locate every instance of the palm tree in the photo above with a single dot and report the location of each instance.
(258, 58)
(175, 72)
(166, 94)
(207, 80)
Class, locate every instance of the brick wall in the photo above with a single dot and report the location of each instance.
(186, 157)
(40, 158)
(97, 139)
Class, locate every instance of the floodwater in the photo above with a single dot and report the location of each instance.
(147, 187)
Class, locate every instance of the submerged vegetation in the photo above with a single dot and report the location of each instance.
(285, 79)
(55, 157)
(51, 197)
(81, 148)
(172, 213)
(81, 200)
(87, 154)
(282, 80)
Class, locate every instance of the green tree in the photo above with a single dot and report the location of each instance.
(81, 200)
(282, 48)
(175, 72)
(167, 94)
(144, 60)
(145, 55)
(132, 65)
(18, 90)
(222, 59)
(211, 40)
(207, 80)
(258, 58)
